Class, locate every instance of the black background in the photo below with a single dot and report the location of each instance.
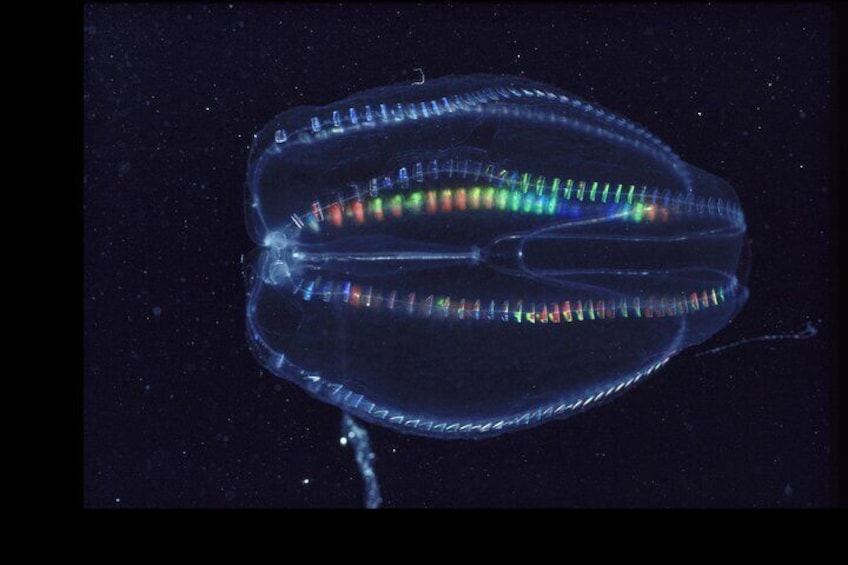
(177, 413)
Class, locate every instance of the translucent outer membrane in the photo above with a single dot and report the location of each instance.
(479, 254)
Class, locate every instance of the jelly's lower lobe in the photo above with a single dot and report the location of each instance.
(502, 324)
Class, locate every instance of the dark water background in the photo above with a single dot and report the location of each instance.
(177, 413)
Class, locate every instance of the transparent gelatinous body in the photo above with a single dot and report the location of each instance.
(479, 254)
